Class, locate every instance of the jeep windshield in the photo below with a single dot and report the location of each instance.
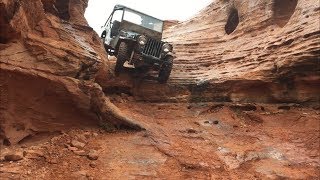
(143, 20)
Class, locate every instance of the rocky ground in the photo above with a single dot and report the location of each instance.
(182, 141)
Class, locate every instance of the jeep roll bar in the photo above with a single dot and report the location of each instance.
(122, 7)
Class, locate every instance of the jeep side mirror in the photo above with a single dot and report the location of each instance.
(104, 34)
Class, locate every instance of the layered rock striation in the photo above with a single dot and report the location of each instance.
(49, 59)
(245, 51)
(55, 72)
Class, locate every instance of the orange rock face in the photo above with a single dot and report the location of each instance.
(48, 38)
(46, 47)
(169, 23)
(266, 51)
(58, 93)
(49, 58)
(232, 51)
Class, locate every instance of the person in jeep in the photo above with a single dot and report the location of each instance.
(136, 38)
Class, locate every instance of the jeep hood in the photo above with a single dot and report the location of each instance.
(128, 26)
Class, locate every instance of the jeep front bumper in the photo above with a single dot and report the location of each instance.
(151, 59)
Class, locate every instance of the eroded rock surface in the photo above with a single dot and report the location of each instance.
(49, 59)
(244, 51)
(240, 51)
(264, 51)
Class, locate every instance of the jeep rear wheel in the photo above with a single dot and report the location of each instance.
(124, 53)
(165, 70)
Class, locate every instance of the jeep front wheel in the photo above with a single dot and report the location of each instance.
(165, 70)
(123, 55)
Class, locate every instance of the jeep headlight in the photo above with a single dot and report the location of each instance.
(166, 48)
(142, 40)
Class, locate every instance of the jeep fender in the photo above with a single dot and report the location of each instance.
(169, 54)
(122, 39)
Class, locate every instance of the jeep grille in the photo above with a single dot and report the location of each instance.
(153, 48)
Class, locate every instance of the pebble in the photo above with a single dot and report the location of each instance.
(55, 139)
(87, 135)
(77, 144)
(204, 164)
(72, 148)
(80, 153)
(93, 155)
(13, 157)
(33, 154)
(93, 165)
(82, 139)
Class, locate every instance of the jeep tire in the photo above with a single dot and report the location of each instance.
(165, 70)
(124, 53)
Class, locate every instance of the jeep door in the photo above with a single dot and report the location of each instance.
(112, 28)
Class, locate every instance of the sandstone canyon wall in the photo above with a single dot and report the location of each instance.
(49, 58)
(55, 72)
(57, 85)
(245, 51)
